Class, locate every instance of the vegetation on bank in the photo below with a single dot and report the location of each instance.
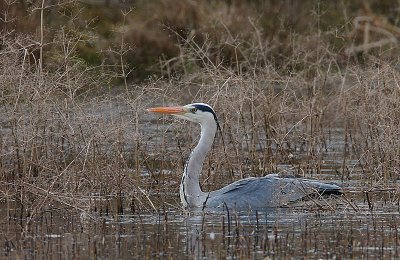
(288, 80)
(154, 37)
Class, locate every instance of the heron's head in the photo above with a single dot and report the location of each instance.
(196, 112)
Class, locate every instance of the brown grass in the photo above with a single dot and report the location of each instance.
(71, 140)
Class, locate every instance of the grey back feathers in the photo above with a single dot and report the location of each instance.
(268, 191)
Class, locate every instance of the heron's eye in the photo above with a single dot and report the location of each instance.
(193, 110)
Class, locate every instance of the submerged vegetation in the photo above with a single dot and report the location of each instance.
(295, 86)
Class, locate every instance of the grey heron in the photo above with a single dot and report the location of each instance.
(254, 192)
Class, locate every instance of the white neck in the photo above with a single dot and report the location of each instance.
(190, 191)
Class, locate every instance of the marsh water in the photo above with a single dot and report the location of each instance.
(281, 233)
(362, 224)
(355, 228)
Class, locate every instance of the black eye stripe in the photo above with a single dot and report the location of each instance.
(206, 109)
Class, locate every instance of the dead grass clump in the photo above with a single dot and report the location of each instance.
(372, 112)
(240, 35)
(64, 143)
(61, 146)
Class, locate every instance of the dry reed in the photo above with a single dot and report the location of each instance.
(70, 139)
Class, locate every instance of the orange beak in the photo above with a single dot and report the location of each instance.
(167, 110)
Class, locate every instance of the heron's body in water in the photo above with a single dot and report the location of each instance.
(255, 192)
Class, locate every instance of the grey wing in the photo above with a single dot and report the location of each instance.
(296, 189)
(238, 194)
(267, 191)
(262, 192)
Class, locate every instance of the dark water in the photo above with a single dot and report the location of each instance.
(344, 232)
(361, 225)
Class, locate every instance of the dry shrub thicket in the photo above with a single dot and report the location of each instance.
(69, 140)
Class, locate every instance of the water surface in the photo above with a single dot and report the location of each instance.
(342, 232)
